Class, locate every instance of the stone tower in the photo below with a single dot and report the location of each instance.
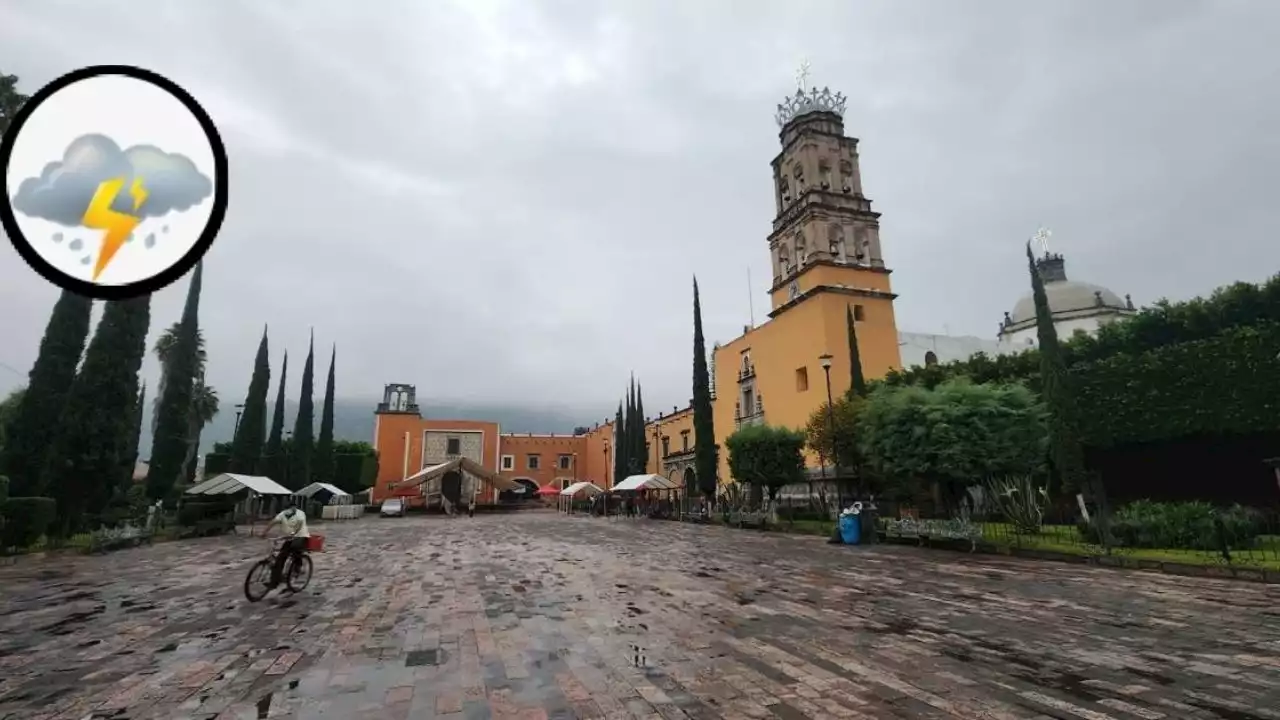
(825, 234)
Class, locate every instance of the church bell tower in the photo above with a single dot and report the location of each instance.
(825, 234)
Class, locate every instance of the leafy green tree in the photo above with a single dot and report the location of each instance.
(34, 424)
(1065, 448)
(845, 417)
(304, 426)
(273, 455)
(323, 470)
(704, 433)
(954, 435)
(10, 101)
(8, 410)
(85, 461)
(170, 447)
(355, 465)
(857, 382)
(246, 450)
(768, 457)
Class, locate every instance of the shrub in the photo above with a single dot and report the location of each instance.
(193, 512)
(1179, 526)
(25, 520)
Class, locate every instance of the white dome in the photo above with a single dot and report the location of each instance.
(1067, 297)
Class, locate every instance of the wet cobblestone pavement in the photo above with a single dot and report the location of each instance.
(543, 616)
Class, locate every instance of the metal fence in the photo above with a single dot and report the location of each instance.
(1141, 533)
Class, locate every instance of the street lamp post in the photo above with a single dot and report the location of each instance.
(607, 484)
(825, 360)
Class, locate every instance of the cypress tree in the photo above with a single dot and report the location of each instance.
(135, 437)
(620, 447)
(1065, 448)
(173, 416)
(323, 468)
(246, 446)
(642, 442)
(857, 382)
(85, 464)
(704, 433)
(272, 464)
(34, 424)
(304, 425)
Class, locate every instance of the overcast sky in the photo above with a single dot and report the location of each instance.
(507, 199)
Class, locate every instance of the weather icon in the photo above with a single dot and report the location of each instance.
(115, 182)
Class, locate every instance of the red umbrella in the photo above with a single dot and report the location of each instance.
(548, 490)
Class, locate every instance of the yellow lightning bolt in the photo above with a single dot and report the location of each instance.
(100, 216)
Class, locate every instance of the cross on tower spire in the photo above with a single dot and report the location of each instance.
(1042, 237)
(802, 75)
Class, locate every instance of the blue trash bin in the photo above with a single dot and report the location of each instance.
(850, 529)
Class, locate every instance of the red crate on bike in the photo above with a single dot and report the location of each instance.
(315, 543)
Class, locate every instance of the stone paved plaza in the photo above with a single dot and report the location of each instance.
(544, 616)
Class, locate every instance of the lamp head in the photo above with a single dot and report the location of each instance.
(825, 360)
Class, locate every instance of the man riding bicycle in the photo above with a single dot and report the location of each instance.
(294, 523)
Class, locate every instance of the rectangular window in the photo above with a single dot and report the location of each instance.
(508, 462)
(666, 446)
(684, 441)
(565, 461)
(802, 379)
(533, 462)
(858, 313)
(453, 446)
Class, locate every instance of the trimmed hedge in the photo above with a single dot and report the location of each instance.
(193, 512)
(1224, 385)
(26, 519)
(1179, 526)
(216, 463)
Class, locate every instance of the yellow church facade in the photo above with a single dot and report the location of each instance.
(826, 259)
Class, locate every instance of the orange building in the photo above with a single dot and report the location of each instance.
(827, 263)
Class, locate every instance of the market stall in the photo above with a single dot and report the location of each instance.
(454, 485)
(254, 496)
(577, 491)
(334, 502)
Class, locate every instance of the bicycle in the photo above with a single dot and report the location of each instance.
(297, 572)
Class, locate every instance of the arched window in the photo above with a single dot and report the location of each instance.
(930, 358)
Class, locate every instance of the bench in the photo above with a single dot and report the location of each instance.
(926, 530)
(757, 520)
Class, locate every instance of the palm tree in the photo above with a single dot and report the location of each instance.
(204, 406)
(204, 398)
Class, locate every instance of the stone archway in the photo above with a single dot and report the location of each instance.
(451, 486)
(511, 496)
(690, 482)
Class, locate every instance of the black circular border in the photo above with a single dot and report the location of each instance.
(165, 277)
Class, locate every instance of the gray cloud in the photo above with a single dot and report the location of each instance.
(64, 188)
(598, 154)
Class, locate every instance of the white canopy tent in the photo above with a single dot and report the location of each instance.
(473, 475)
(645, 482)
(337, 503)
(260, 491)
(580, 487)
(569, 494)
(232, 483)
(315, 487)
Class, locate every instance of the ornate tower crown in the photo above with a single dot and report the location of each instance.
(815, 100)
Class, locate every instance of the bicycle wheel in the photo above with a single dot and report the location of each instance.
(258, 582)
(299, 573)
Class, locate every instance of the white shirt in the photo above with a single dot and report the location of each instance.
(295, 526)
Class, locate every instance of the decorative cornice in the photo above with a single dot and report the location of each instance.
(782, 282)
(799, 208)
(819, 289)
